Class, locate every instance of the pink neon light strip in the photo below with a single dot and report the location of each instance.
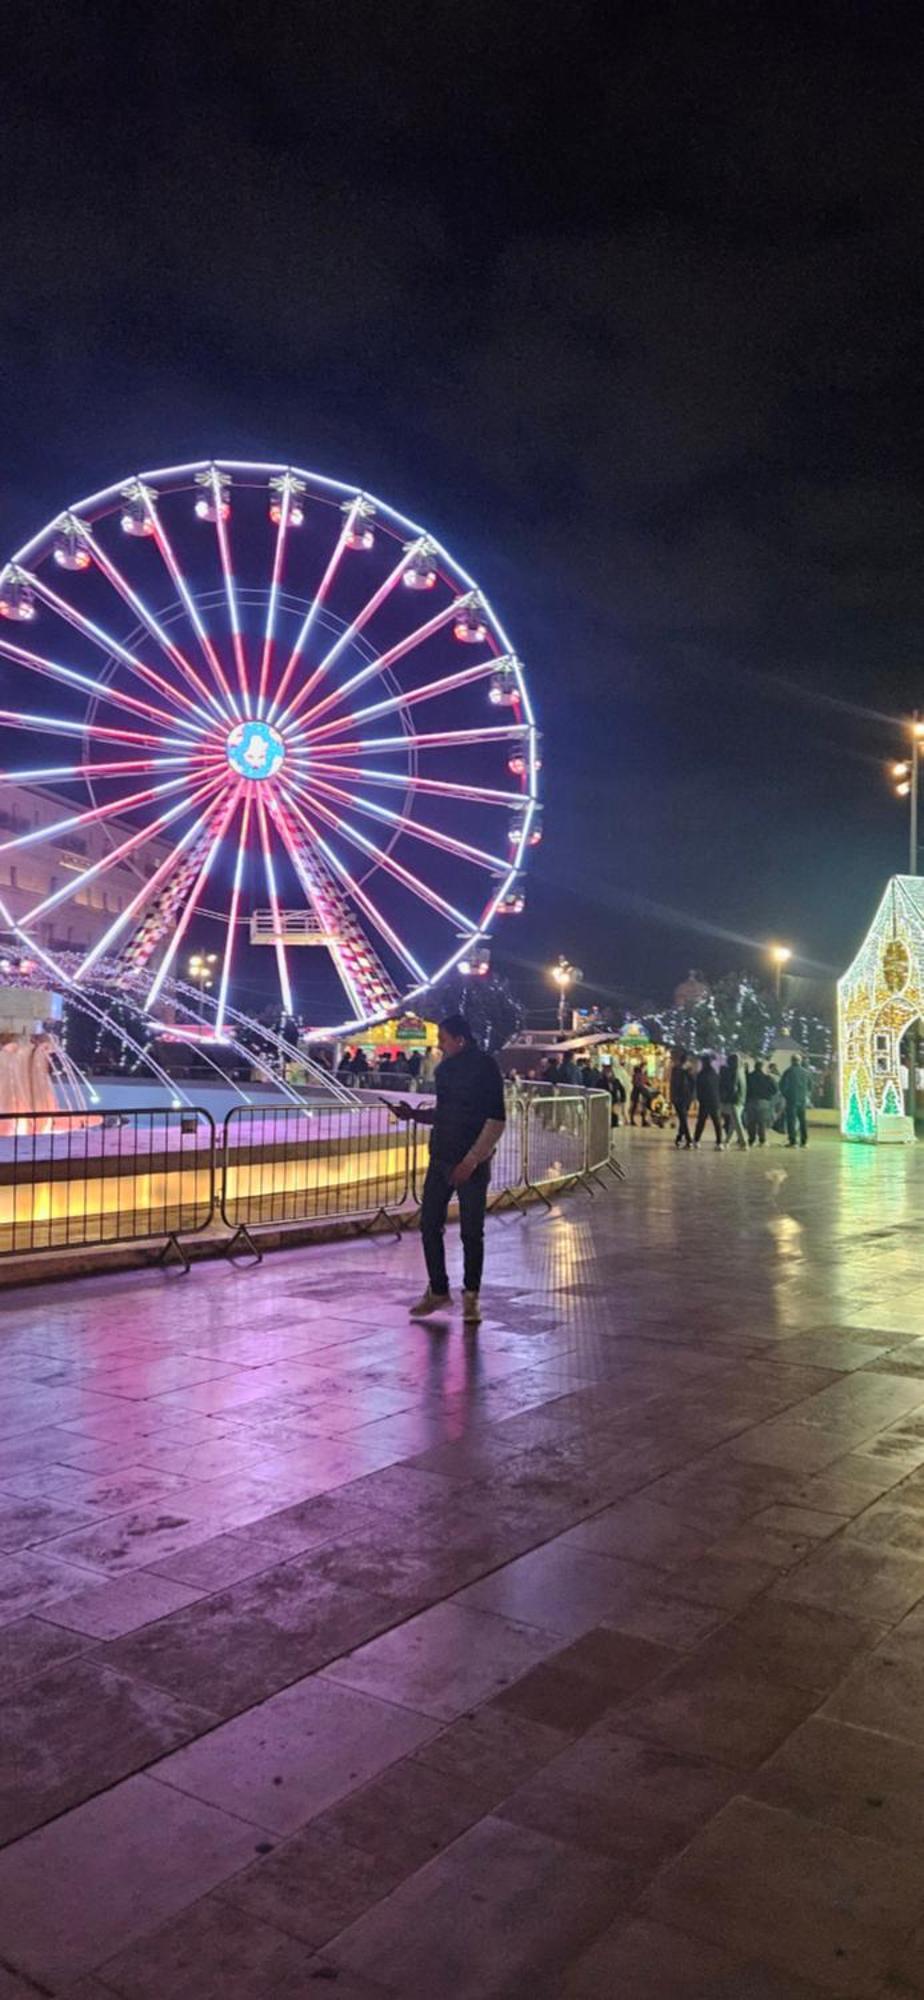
(120, 768)
(221, 527)
(359, 894)
(403, 781)
(166, 550)
(92, 814)
(151, 887)
(273, 598)
(124, 589)
(386, 861)
(314, 608)
(415, 829)
(232, 915)
(281, 962)
(387, 659)
(320, 900)
(182, 926)
(116, 853)
(429, 692)
(437, 739)
(71, 677)
(60, 725)
(107, 644)
(352, 632)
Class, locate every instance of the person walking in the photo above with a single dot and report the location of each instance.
(758, 1102)
(732, 1087)
(682, 1091)
(707, 1096)
(641, 1095)
(467, 1121)
(794, 1085)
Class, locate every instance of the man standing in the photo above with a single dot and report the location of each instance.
(794, 1085)
(467, 1121)
(732, 1085)
(761, 1091)
(683, 1091)
(707, 1101)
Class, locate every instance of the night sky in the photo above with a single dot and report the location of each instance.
(623, 302)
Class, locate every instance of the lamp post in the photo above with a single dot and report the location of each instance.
(200, 972)
(906, 775)
(565, 976)
(781, 955)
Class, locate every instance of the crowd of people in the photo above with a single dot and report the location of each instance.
(404, 1070)
(737, 1101)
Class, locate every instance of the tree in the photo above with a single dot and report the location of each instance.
(487, 1002)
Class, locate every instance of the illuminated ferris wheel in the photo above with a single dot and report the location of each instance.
(299, 705)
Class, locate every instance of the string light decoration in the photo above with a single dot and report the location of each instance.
(879, 997)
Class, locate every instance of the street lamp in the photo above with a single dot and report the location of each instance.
(565, 976)
(200, 972)
(905, 775)
(781, 955)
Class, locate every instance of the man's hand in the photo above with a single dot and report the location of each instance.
(404, 1110)
(462, 1173)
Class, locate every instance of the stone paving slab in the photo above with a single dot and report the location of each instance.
(581, 1656)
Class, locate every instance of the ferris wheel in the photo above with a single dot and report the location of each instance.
(278, 714)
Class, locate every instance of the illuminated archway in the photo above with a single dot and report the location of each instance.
(879, 997)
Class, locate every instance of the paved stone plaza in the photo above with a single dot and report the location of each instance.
(582, 1657)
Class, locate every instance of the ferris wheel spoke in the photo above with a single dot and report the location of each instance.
(415, 829)
(224, 550)
(120, 767)
(100, 690)
(95, 814)
(282, 966)
(434, 787)
(233, 914)
(109, 645)
(116, 854)
(359, 895)
(434, 739)
(386, 861)
(398, 651)
(166, 549)
(359, 622)
(285, 507)
(314, 607)
(151, 888)
(449, 684)
(180, 924)
(121, 585)
(62, 725)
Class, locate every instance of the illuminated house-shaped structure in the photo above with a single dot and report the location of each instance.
(881, 996)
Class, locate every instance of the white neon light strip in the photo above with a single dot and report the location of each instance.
(232, 914)
(155, 883)
(314, 608)
(281, 962)
(181, 927)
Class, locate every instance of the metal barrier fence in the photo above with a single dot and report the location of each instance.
(78, 1180)
(283, 1165)
(137, 1176)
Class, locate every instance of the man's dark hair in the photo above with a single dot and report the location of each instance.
(457, 1026)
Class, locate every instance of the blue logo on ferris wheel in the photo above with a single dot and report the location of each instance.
(255, 750)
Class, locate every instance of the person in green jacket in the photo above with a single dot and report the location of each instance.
(794, 1085)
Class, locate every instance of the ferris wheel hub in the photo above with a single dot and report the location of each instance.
(255, 750)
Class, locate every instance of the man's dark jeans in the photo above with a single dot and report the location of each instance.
(796, 1124)
(437, 1194)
